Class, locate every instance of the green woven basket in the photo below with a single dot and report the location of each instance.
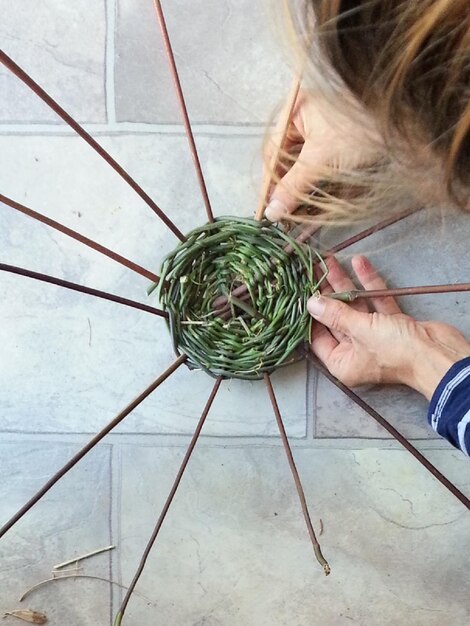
(257, 333)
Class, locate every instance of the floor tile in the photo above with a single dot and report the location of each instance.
(234, 549)
(62, 46)
(224, 51)
(71, 520)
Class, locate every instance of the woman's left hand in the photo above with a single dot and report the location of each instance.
(321, 137)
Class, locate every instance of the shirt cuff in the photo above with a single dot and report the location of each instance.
(447, 404)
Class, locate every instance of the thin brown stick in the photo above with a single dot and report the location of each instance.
(242, 291)
(91, 444)
(168, 502)
(350, 296)
(184, 110)
(21, 271)
(284, 123)
(370, 231)
(55, 579)
(298, 484)
(65, 230)
(389, 428)
(68, 119)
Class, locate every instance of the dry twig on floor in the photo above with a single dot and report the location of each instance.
(83, 557)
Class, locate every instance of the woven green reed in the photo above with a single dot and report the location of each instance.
(260, 335)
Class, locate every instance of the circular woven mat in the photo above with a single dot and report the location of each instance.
(257, 332)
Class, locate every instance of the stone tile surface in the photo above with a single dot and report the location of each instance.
(72, 519)
(87, 359)
(439, 258)
(231, 66)
(234, 549)
(62, 46)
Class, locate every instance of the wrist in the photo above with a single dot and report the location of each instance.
(429, 364)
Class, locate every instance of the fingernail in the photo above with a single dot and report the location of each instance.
(316, 305)
(275, 210)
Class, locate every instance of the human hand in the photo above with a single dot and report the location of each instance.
(383, 346)
(319, 140)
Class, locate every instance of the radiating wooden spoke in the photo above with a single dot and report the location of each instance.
(394, 219)
(277, 151)
(21, 271)
(168, 502)
(295, 474)
(184, 111)
(389, 428)
(65, 230)
(90, 445)
(68, 119)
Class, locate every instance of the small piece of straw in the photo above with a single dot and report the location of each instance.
(83, 557)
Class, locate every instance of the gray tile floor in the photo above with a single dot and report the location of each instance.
(234, 551)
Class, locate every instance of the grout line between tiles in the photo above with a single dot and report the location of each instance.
(133, 128)
(155, 440)
(116, 516)
(111, 535)
(109, 85)
(118, 436)
(310, 401)
(315, 404)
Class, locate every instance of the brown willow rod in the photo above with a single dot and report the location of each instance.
(21, 271)
(91, 444)
(350, 296)
(389, 428)
(371, 231)
(169, 500)
(284, 124)
(183, 108)
(242, 291)
(298, 484)
(65, 230)
(68, 119)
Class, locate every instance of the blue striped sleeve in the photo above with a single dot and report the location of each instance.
(449, 411)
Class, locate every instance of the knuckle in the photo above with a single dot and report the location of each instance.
(336, 316)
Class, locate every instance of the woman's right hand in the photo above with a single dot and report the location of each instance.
(382, 346)
(326, 138)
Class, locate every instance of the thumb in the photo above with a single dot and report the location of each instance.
(298, 181)
(336, 315)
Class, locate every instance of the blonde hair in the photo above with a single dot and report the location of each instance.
(406, 65)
